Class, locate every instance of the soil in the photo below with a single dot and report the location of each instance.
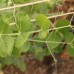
(47, 66)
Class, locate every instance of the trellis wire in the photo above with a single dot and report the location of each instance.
(23, 5)
(50, 17)
(55, 16)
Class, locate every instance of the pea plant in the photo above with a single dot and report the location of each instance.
(26, 29)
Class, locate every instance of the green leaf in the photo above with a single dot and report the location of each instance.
(7, 16)
(2, 4)
(43, 34)
(20, 64)
(6, 45)
(43, 22)
(46, 52)
(65, 31)
(21, 1)
(58, 49)
(4, 27)
(68, 36)
(54, 39)
(16, 52)
(8, 60)
(40, 8)
(24, 23)
(2, 1)
(21, 39)
(25, 47)
(62, 23)
(70, 50)
(39, 53)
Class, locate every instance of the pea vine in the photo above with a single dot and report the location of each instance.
(19, 34)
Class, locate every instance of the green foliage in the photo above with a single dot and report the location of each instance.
(14, 60)
(6, 45)
(54, 39)
(70, 50)
(43, 22)
(43, 34)
(4, 27)
(21, 39)
(24, 48)
(23, 23)
(19, 34)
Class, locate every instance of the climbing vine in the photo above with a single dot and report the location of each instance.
(27, 29)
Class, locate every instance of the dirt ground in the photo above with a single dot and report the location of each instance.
(47, 66)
